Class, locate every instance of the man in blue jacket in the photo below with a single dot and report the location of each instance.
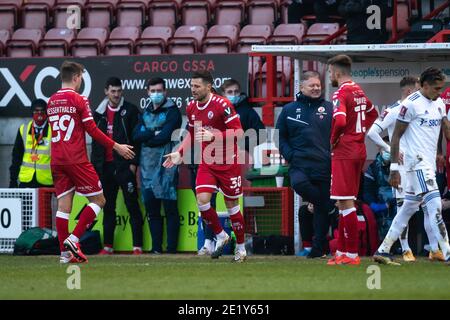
(304, 141)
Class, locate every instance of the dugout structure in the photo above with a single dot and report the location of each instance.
(377, 67)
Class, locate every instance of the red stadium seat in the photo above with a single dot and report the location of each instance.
(186, 40)
(113, 3)
(99, 15)
(262, 12)
(131, 14)
(89, 42)
(253, 34)
(230, 12)
(319, 31)
(163, 13)
(220, 39)
(23, 43)
(8, 16)
(56, 42)
(284, 72)
(195, 13)
(5, 35)
(60, 14)
(121, 41)
(153, 40)
(288, 34)
(36, 15)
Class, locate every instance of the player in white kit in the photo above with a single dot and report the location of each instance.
(418, 124)
(408, 85)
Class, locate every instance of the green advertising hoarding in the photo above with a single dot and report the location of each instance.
(188, 211)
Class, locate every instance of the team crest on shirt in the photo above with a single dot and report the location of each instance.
(193, 117)
(124, 112)
(321, 112)
(210, 115)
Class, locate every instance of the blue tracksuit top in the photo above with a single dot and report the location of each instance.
(305, 128)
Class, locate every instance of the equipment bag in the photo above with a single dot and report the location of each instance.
(36, 241)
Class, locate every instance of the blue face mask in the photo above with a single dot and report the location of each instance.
(233, 99)
(386, 156)
(157, 98)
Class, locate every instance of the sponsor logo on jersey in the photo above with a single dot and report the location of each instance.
(210, 115)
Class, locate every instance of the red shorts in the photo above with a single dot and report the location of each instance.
(80, 177)
(229, 181)
(345, 178)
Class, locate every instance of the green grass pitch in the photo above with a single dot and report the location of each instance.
(187, 276)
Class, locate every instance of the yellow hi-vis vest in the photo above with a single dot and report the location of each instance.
(42, 165)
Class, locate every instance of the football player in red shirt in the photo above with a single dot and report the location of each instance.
(353, 114)
(70, 117)
(213, 123)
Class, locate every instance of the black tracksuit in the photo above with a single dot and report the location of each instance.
(117, 173)
(304, 128)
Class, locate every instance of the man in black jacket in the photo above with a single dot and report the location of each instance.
(304, 141)
(361, 19)
(117, 118)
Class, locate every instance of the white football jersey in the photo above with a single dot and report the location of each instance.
(421, 137)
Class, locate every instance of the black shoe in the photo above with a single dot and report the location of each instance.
(315, 253)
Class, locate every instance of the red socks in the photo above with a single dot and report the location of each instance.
(351, 230)
(62, 228)
(87, 216)
(211, 218)
(237, 223)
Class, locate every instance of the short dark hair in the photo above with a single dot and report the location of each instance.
(310, 74)
(113, 82)
(69, 69)
(341, 61)
(155, 81)
(431, 75)
(229, 83)
(38, 103)
(204, 75)
(408, 81)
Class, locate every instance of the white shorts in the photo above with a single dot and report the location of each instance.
(420, 181)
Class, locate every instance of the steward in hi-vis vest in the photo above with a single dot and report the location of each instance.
(30, 166)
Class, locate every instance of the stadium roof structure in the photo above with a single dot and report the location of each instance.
(401, 52)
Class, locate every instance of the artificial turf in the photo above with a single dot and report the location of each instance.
(187, 276)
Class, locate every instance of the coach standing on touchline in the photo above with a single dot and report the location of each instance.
(305, 127)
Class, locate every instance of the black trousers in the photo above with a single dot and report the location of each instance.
(317, 192)
(156, 222)
(111, 180)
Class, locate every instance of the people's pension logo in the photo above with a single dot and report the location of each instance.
(38, 78)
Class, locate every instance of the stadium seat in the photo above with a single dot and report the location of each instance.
(319, 31)
(403, 14)
(220, 39)
(186, 40)
(60, 14)
(230, 12)
(56, 42)
(121, 41)
(284, 72)
(288, 34)
(36, 15)
(8, 16)
(422, 31)
(253, 34)
(195, 13)
(89, 42)
(131, 14)
(163, 13)
(5, 35)
(99, 15)
(153, 40)
(23, 43)
(113, 3)
(263, 12)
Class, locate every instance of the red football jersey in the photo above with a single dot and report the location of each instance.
(70, 117)
(357, 114)
(446, 98)
(217, 115)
